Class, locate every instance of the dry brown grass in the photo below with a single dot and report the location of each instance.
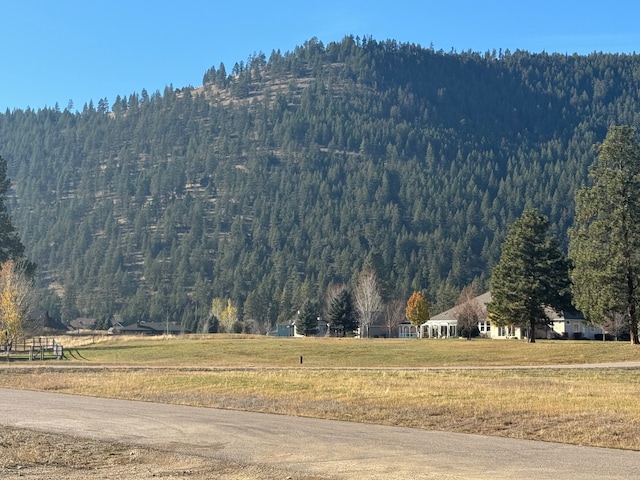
(586, 407)
(20, 451)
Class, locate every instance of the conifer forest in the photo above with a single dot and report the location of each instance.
(291, 172)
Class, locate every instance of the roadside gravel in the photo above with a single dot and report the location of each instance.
(35, 455)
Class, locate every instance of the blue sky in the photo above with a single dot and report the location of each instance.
(81, 50)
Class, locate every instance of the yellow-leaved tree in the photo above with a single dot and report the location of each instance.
(226, 314)
(16, 300)
(229, 317)
(417, 310)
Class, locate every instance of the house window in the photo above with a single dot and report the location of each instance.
(509, 331)
(484, 326)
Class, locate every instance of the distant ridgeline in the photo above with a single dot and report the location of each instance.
(292, 172)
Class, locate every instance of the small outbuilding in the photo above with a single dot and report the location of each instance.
(407, 330)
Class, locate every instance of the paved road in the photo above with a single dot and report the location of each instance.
(303, 445)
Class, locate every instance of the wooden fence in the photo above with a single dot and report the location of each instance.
(37, 348)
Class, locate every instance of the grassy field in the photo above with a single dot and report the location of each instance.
(392, 382)
(259, 351)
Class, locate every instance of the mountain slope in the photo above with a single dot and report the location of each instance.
(266, 185)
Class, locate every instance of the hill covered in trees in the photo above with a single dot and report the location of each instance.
(270, 182)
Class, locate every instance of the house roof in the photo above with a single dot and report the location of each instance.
(554, 315)
(451, 313)
(569, 314)
(82, 323)
(151, 328)
(42, 319)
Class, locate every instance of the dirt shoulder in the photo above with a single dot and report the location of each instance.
(37, 455)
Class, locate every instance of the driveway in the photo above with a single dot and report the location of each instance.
(308, 446)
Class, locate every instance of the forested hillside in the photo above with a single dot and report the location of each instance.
(289, 173)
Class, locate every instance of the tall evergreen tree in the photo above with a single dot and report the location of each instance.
(307, 322)
(605, 239)
(341, 313)
(532, 274)
(11, 247)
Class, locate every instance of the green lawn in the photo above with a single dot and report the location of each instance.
(257, 351)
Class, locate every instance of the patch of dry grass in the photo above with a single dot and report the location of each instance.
(20, 451)
(586, 407)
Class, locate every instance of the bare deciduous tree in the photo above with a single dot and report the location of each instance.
(368, 301)
(393, 314)
(468, 310)
(614, 324)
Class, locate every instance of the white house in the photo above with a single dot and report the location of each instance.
(445, 324)
(566, 324)
(574, 326)
(288, 328)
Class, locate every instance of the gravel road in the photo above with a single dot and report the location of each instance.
(304, 447)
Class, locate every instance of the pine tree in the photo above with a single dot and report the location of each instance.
(11, 247)
(307, 322)
(605, 239)
(341, 313)
(532, 274)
